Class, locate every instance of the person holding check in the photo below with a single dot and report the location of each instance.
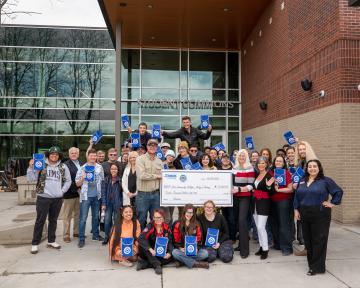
(150, 255)
(214, 227)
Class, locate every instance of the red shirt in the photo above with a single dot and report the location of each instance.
(280, 196)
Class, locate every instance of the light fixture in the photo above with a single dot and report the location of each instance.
(306, 84)
(358, 87)
(122, 4)
(226, 9)
(152, 37)
(213, 39)
(322, 93)
(263, 105)
(150, 6)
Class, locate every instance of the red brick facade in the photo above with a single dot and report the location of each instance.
(318, 40)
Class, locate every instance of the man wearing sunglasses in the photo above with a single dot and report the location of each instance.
(148, 171)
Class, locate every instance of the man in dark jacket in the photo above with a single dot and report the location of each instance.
(71, 197)
(188, 133)
(144, 135)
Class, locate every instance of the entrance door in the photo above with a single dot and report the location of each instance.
(217, 137)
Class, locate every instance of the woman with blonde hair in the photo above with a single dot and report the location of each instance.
(129, 180)
(243, 182)
(303, 153)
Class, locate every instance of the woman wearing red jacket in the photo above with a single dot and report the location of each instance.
(188, 226)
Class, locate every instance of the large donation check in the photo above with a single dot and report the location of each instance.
(180, 187)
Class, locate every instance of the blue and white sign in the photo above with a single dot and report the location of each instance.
(219, 146)
(39, 162)
(186, 163)
(89, 173)
(280, 176)
(292, 170)
(135, 140)
(190, 246)
(127, 247)
(156, 131)
(289, 137)
(125, 121)
(298, 175)
(249, 142)
(160, 154)
(96, 137)
(161, 246)
(204, 119)
(196, 166)
(166, 167)
(212, 236)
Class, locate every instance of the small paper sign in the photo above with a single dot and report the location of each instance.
(161, 246)
(190, 246)
(289, 137)
(298, 175)
(160, 154)
(135, 140)
(249, 142)
(96, 137)
(125, 121)
(292, 170)
(89, 173)
(38, 162)
(204, 119)
(219, 146)
(196, 166)
(156, 131)
(186, 163)
(212, 236)
(127, 247)
(280, 176)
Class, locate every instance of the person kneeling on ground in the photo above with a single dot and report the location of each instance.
(147, 240)
(211, 219)
(126, 226)
(188, 226)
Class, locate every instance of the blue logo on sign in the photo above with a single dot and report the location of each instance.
(183, 178)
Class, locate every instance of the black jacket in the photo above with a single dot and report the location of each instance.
(143, 138)
(73, 190)
(148, 236)
(178, 165)
(219, 222)
(191, 138)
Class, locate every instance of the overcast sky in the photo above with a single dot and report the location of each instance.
(59, 12)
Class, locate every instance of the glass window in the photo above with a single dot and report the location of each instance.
(233, 141)
(129, 93)
(218, 123)
(157, 94)
(130, 67)
(160, 68)
(76, 127)
(233, 111)
(233, 123)
(129, 107)
(107, 127)
(167, 123)
(233, 70)
(233, 95)
(207, 70)
(184, 70)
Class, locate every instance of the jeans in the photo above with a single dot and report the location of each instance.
(46, 207)
(281, 224)
(146, 202)
(85, 205)
(189, 261)
(110, 216)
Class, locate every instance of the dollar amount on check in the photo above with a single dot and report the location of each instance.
(180, 187)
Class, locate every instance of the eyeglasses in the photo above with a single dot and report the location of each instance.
(158, 218)
(113, 154)
(189, 212)
(193, 150)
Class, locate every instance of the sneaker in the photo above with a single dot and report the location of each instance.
(105, 242)
(67, 239)
(126, 263)
(300, 253)
(34, 249)
(158, 270)
(76, 235)
(142, 264)
(53, 245)
(201, 264)
(81, 244)
(178, 264)
(286, 253)
(101, 238)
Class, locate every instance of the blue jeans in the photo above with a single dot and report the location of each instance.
(189, 261)
(110, 216)
(281, 224)
(94, 203)
(146, 202)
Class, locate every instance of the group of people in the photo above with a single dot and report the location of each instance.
(124, 196)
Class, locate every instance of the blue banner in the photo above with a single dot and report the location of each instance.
(160, 153)
(249, 142)
(161, 246)
(186, 163)
(289, 137)
(196, 166)
(125, 121)
(280, 176)
(292, 170)
(219, 146)
(156, 131)
(89, 173)
(96, 137)
(135, 140)
(204, 119)
(212, 236)
(39, 161)
(190, 246)
(127, 247)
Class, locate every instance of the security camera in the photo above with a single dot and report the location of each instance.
(322, 93)
(359, 87)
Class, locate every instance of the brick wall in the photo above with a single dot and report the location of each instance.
(333, 132)
(318, 40)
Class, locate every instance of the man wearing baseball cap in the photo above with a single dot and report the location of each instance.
(51, 184)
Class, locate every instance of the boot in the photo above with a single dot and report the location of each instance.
(259, 252)
(264, 254)
(201, 264)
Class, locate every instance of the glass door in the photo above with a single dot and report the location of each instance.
(217, 137)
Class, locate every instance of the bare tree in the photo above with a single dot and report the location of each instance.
(8, 10)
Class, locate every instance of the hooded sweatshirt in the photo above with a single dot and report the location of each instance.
(53, 186)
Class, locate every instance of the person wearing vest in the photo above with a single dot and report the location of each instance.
(71, 197)
(90, 194)
(51, 184)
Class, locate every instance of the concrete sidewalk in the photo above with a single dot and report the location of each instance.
(90, 266)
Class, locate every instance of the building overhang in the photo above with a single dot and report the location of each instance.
(195, 24)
